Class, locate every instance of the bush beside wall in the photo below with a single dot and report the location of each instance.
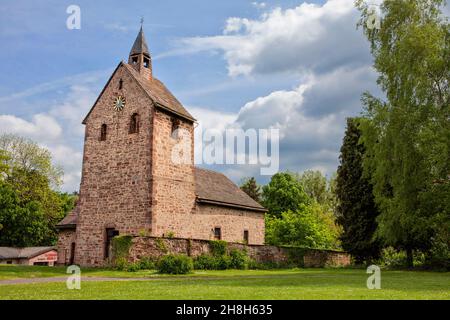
(175, 264)
(258, 256)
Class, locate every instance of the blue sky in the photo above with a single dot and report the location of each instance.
(293, 65)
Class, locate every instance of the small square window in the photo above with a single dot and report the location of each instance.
(134, 124)
(103, 132)
(175, 127)
(217, 233)
(246, 236)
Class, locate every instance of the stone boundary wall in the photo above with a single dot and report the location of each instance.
(156, 247)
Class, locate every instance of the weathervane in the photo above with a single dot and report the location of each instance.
(142, 21)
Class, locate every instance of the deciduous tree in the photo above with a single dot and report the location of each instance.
(408, 134)
(283, 193)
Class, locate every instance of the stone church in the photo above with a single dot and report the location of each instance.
(130, 185)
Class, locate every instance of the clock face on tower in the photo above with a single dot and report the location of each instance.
(119, 103)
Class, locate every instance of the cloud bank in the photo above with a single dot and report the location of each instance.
(319, 43)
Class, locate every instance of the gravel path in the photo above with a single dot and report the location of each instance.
(63, 279)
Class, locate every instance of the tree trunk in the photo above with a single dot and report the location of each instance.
(409, 258)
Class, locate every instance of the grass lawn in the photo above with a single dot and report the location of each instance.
(20, 272)
(230, 284)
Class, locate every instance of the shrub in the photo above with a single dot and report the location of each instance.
(133, 267)
(121, 264)
(218, 247)
(205, 262)
(239, 259)
(223, 262)
(175, 264)
(146, 263)
(269, 265)
(393, 258)
(438, 256)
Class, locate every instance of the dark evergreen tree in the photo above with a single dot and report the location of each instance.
(250, 187)
(356, 208)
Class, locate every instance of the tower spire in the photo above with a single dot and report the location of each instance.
(140, 57)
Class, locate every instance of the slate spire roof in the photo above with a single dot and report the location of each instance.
(140, 45)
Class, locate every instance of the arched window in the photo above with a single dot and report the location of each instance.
(146, 62)
(103, 132)
(175, 127)
(134, 123)
(120, 84)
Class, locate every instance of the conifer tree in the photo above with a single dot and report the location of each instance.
(356, 208)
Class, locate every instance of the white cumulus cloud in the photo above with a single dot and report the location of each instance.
(42, 127)
(307, 37)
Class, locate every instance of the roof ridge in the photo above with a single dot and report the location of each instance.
(166, 105)
(216, 187)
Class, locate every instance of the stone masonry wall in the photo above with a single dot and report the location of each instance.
(232, 222)
(319, 258)
(115, 189)
(174, 207)
(65, 239)
(157, 247)
(173, 183)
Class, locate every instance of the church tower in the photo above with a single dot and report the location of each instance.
(138, 175)
(129, 184)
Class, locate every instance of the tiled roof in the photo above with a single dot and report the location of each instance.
(211, 187)
(70, 220)
(215, 188)
(22, 253)
(159, 93)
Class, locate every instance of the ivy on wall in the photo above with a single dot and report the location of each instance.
(161, 245)
(121, 247)
(218, 247)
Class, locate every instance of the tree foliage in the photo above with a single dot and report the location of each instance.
(29, 207)
(250, 187)
(29, 156)
(408, 135)
(4, 167)
(283, 193)
(356, 208)
(306, 227)
(314, 184)
(296, 219)
(21, 224)
(318, 188)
